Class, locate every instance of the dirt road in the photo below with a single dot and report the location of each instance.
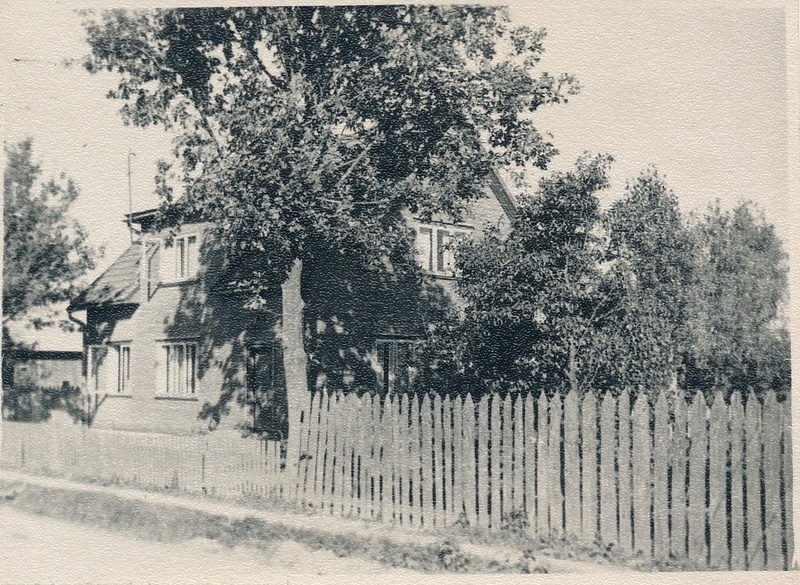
(37, 549)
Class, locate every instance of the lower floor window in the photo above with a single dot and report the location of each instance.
(396, 370)
(180, 376)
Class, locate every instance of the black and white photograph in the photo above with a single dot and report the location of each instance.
(423, 292)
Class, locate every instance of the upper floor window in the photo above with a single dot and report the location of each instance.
(185, 257)
(436, 245)
(177, 261)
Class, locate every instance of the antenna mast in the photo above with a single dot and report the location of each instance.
(130, 197)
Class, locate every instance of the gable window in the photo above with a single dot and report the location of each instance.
(436, 245)
(179, 373)
(124, 369)
(185, 257)
(396, 370)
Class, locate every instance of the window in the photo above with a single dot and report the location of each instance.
(185, 257)
(396, 371)
(180, 369)
(124, 369)
(436, 247)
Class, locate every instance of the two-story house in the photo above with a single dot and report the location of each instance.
(165, 337)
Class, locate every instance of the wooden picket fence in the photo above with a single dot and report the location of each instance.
(669, 479)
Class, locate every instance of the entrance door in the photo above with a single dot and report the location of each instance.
(267, 390)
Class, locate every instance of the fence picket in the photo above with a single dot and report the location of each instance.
(661, 480)
(771, 432)
(438, 462)
(518, 497)
(787, 481)
(426, 479)
(405, 454)
(556, 472)
(542, 467)
(679, 462)
(323, 461)
(507, 478)
(416, 464)
(737, 558)
(459, 462)
(608, 475)
(392, 475)
(641, 475)
(448, 432)
(589, 467)
(482, 485)
(495, 433)
(717, 483)
(698, 444)
(572, 471)
(530, 462)
(468, 461)
(755, 532)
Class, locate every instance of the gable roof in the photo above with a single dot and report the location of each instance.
(119, 284)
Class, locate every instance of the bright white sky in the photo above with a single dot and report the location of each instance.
(699, 90)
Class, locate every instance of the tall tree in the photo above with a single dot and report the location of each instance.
(305, 132)
(651, 254)
(537, 301)
(740, 341)
(44, 250)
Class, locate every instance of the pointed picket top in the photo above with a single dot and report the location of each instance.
(717, 482)
(661, 441)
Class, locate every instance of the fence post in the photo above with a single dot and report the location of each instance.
(542, 467)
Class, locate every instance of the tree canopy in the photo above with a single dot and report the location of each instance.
(45, 251)
(307, 130)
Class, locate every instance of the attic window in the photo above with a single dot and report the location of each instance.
(436, 246)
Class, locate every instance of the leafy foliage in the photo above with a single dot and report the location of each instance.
(45, 251)
(306, 131)
(740, 340)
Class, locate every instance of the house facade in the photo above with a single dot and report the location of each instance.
(173, 349)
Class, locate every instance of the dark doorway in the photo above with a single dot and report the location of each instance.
(267, 390)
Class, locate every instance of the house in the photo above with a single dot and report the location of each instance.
(166, 339)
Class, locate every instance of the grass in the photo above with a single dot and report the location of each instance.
(174, 524)
(510, 550)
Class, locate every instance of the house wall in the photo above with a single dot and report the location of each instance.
(178, 311)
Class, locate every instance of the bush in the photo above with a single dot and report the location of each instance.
(27, 402)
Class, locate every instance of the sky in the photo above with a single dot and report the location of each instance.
(697, 89)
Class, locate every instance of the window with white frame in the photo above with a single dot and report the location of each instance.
(185, 257)
(396, 370)
(436, 245)
(123, 368)
(178, 376)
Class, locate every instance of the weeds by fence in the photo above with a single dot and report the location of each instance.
(670, 479)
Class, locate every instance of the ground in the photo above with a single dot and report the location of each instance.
(80, 554)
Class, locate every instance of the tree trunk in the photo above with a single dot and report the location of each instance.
(294, 363)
